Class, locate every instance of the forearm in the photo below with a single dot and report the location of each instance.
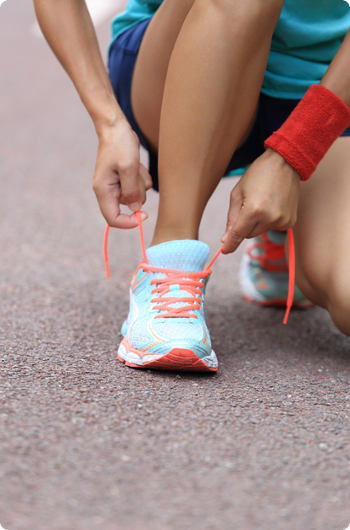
(337, 77)
(319, 119)
(68, 28)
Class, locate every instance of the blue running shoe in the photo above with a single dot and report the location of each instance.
(166, 327)
(264, 272)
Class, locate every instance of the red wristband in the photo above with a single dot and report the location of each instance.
(315, 123)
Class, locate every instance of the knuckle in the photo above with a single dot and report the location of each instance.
(256, 209)
(276, 217)
(230, 218)
(128, 166)
(270, 218)
(235, 237)
(130, 193)
(284, 220)
(96, 187)
(235, 195)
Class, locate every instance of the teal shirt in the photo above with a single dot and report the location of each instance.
(136, 11)
(306, 38)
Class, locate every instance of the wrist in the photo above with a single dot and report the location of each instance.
(103, 109)
(107, 119)
(278, 160)
(107, 125)
(307, 134)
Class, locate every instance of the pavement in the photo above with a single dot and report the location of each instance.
(87, 443)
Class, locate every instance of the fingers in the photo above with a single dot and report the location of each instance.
(235, 233)
(282, 222)
(131, 190)
(249, 218)
(111, 211)
(232, 238)
(126, 221)
(145, 183)
(144, 174)
(135, 180)
(108, 200)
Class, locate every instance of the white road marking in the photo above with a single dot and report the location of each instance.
(99, 10)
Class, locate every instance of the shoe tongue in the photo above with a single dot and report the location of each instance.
(185, 255)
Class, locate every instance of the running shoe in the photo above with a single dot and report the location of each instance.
(166, 328)
(264, 272)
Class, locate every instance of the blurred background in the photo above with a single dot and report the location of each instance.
(87, 443)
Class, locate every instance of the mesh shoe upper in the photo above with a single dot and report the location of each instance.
(264, 271)
(148, 328)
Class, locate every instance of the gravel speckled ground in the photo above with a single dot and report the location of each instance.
(87, 443)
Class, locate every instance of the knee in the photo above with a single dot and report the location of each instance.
(328, 291)
(338, 305)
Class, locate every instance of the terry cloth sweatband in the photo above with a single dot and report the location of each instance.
(307, 134)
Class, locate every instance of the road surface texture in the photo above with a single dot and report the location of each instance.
(87, 443)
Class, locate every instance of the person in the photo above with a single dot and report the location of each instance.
(202, 84)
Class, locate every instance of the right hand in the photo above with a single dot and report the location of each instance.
(119, 176)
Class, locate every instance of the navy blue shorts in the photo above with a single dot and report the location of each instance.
(272, 112)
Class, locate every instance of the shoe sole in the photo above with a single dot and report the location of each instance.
(179, 359)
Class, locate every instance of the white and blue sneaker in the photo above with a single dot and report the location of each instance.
(264, 272)
(166, 327)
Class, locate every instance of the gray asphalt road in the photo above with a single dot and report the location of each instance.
(87, 443)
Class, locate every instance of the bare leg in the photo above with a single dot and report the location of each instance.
(152, 65)
(323, 235)
(211, 90)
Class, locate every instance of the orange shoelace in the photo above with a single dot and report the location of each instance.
(187, 281)
(271, 252)
(190, 281)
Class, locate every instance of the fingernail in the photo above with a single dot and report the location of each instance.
(144, 216)
(224, 237)
(135, 206)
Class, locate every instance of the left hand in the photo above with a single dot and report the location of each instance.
(266, 198)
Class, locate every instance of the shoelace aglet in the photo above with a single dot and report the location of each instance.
(105, 251)
(285, 320)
